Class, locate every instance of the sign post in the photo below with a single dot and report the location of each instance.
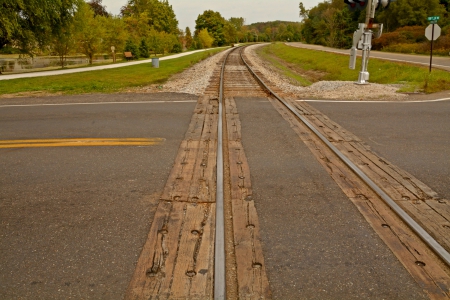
(432, 33)
(113, 50)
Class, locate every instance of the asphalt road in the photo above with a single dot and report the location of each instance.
(74, 219)
(413, 136)
(316, 243)
(424, 60)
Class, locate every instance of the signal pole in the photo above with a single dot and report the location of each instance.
(362, 38)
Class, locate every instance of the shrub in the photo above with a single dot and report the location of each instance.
(133, 48)
(143, 49)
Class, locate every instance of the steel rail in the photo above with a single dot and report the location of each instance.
(424, 235)
(219, 247)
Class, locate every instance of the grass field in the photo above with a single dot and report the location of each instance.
(306, 66)
(104, 81)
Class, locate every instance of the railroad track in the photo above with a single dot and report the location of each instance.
(204, 242)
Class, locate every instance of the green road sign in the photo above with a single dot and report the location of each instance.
(434, 18)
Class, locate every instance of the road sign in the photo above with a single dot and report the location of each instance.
(434, 18)
(432, 32)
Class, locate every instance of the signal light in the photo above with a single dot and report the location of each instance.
(383, 3)
(356, 4)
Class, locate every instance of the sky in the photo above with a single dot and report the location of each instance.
(252, 11)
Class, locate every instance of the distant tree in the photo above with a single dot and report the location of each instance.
(143, 49)
(161, 16)
(98, 8)
(237, 23)
(115, 34)
(188, 38)
(214, 23)
(205, 38)
(230, 33)
(89, 31)
(62, 37)
(409, 13)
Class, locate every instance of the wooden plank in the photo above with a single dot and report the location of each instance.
(239, 172)
(180, 178)
(430, 220)
(154, 269)
(414, 185)
(376, 172)
(202, 187)
(177, 259)
(442, 207)
(412, 255)
(410, 252)
(190, 282)
(251, 272)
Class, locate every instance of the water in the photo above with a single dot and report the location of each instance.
(18, 65)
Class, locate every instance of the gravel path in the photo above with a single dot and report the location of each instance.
(196, 79)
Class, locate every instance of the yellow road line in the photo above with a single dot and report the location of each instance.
(86, 142)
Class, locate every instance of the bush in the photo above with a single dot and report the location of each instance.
(9, 50)
(133, 48)
(177, 48)
(143, 49)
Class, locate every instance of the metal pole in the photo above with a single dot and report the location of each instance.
(431, 52)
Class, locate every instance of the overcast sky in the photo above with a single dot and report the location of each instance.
(252, 11)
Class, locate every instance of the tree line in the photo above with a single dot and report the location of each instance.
(332, 24)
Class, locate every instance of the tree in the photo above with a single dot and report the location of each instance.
(62, 41)
(188, 38)
(214, 23)
(230, 33)
(115, 34)
(29, 24)
(89, 31)
(161, 16)
(98, 8)
(409, 13)
(205, 38)
(143, 49)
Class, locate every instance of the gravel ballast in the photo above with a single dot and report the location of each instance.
(195, 80)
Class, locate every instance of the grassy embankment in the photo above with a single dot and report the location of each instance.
(305, 67)
(104, 81)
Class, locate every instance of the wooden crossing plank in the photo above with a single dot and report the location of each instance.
(177, 259)
(192, 178)
(251, 271)
(193, 272)
(180, 178)
(413, 255)
(413, 196)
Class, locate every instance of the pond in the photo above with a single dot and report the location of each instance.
(18, 65)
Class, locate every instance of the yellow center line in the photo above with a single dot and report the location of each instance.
(36, 143)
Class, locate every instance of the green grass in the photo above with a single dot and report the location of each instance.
(105, 81)
(308, 66)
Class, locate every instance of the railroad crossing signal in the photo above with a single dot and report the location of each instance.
(355, 4)
(362, 38)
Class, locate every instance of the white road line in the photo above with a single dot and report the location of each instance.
(96, 103)
(372, 101)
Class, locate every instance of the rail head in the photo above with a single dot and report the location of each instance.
(219, 247)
